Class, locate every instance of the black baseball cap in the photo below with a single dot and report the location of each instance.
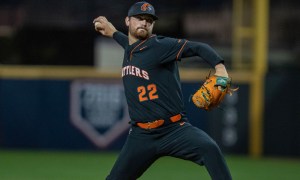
(142, 7)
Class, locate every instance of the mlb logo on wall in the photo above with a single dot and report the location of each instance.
(99, 110)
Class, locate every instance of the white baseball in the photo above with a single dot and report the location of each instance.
(97, 23)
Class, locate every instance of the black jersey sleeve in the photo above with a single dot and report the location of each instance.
(169, 49)
(202, 50)
(121, 38)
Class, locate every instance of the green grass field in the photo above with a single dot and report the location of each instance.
(51, 165)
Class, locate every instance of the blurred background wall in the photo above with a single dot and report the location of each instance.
(56, 74)
(38, 32)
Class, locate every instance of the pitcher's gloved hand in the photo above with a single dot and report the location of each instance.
(212, 92)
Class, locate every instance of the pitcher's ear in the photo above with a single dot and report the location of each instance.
(127, 21)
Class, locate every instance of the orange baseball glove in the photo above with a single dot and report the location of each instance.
(212, 92)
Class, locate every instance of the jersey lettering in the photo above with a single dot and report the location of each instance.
(149, 93)
(138, 73)
(132, 70)
(135, 71)
(145, 75)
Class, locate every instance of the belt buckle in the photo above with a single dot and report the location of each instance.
(149, 125)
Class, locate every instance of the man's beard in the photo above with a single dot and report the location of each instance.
(140, 33)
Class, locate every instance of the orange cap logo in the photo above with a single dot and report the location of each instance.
(145, 6)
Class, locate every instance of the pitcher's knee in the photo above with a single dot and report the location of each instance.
(209, 149)
(212, 147)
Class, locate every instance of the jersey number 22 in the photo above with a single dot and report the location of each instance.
(147, 93)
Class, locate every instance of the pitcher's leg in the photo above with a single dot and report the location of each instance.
(135, 157)
(195, 145)
(214, 162)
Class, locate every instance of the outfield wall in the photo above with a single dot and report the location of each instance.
(90, 114)
(76, 109)
(55, 108)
